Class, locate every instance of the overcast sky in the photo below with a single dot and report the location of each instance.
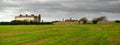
(59, 9)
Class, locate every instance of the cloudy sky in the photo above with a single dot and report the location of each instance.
(60, 9)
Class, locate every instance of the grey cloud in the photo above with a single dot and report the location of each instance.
(64, 8)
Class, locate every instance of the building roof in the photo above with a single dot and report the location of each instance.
(32, 15)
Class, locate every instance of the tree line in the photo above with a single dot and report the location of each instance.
(17, 22)
(96, 20)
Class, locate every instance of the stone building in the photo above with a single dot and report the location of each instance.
(67, 21)
(28, 18)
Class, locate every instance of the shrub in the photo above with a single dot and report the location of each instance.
(84, 20)
(95, 21)
(117, 21)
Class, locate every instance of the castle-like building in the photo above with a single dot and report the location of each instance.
(28, 18)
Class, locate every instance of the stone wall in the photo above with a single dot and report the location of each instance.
(106, 22)
(62, 23)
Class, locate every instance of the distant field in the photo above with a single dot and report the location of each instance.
(60, 34)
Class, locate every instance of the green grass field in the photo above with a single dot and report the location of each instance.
(88, 34)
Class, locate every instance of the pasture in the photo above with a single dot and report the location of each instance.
(87, 34)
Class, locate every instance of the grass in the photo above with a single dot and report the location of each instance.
(88, 34)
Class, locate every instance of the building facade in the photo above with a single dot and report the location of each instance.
(28, 18)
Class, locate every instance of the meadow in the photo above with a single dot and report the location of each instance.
(86, 34)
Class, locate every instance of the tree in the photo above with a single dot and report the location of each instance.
(19, 22)
(84, 20)
(102, 18)
(16, 21)
(117, 21)
(95, 20)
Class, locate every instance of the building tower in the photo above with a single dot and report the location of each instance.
(39, 17)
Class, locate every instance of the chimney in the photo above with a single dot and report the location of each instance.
(70, 18)
(20, 15)
(26, 14)
(32, 14)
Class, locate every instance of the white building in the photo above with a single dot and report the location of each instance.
(28, 18)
